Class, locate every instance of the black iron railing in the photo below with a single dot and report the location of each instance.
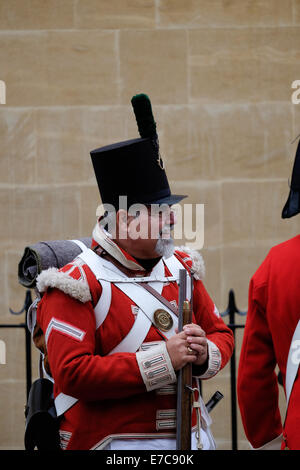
(231, 311)
(27, 303)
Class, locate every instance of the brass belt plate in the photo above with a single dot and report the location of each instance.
(163, 320)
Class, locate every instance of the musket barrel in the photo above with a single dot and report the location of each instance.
(184, 378)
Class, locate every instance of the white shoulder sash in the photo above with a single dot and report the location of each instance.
(292, 362)
(147, 303)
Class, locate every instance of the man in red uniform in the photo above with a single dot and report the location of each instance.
(272, 337)
(113, 347)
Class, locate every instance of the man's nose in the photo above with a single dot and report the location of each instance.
(169, 219)
(172, 218)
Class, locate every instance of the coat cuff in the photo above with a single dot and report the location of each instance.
(214, 362)
(156, 367)
(275, 444)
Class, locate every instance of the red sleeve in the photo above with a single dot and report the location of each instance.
(257, 385)
(69, 327)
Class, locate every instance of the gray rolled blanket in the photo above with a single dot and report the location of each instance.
(44, 255)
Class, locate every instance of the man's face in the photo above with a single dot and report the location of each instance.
(148, 229)
(151, 222)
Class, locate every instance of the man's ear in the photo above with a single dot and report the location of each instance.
(122, 223)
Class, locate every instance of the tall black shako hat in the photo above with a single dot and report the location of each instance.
(134, 168)
(292, 205)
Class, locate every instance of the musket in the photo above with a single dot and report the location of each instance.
(184, 377)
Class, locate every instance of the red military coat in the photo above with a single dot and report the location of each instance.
(113, 400)
(273, 314)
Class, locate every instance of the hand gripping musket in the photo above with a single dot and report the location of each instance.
(184, 378)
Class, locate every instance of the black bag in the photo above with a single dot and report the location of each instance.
(42, 423)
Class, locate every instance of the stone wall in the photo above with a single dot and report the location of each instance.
(219, 76)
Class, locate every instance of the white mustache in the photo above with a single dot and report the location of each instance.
(165, 247)
(166, 229)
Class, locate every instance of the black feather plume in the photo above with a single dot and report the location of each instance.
(144, 117)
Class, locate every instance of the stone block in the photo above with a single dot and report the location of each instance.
(22, 56)
(251, 212)
(34, 14)
(238, 266)
(15, 292)
(296, 119)
(208, 194)
(154, 62)
(172, 127)
(59, 68)
(79, 71)
(6, 216)
(213, 275)
(18, 149)
(296, 12)
(3, 287)
(13, 400)
(65, 137)
(195, 14)
(44, 213)
(239, 140)
(14, 339)
(115, 14)
(242, 65)
(203, 136)
(106, 125)
(89, 201)
(61, 146)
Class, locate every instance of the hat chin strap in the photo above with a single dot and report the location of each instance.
(105, 241)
